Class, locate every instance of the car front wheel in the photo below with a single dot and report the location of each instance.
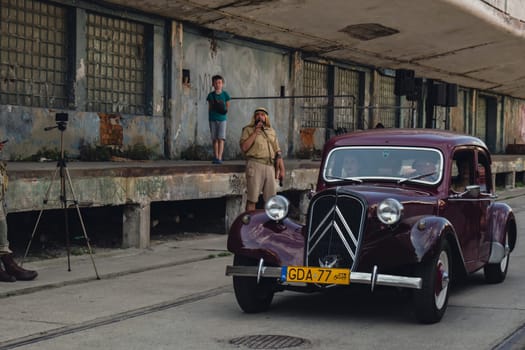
(432, 299)
(496, 273)
(251, 296)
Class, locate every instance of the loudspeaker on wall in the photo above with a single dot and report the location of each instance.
(439, 94)
(452, 95)
(404, 82)
(417, 91)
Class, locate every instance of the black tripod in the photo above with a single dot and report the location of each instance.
(64, 174)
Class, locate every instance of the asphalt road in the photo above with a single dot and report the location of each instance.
(175, 296)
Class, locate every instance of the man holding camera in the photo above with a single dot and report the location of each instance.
(12, 271)
(264, 162)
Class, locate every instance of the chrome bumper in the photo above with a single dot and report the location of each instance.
(372, 279)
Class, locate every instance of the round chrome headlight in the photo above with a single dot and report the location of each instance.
(277, 207)
(389, 211)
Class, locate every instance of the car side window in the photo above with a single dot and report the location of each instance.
(462, 174)
(483, 174)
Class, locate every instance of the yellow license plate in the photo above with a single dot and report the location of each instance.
(320, 275)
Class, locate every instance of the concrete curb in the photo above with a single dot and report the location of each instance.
(510, 193)
(53, 273)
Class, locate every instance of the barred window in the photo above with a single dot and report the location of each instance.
(481, 118)
(347, 84)
(33, 62)
(115, 65)
(387, 102)
(315, 80)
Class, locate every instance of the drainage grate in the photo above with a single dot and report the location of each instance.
(269, 341)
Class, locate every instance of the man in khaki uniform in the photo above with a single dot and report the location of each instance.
(264, 162)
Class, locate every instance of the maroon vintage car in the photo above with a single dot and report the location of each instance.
(404, 208)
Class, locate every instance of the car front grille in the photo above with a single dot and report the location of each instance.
(334, 231)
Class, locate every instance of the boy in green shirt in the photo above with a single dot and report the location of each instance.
(218, 105)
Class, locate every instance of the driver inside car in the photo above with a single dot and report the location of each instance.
(424, 167)
(350, 167)
(462, 180)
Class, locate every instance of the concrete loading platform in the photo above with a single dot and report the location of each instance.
(136, 185)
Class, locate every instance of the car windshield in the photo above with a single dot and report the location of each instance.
(403, 164)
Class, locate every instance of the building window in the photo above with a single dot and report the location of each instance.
(315, 83)
(345, 107)
(387, 102)
(33, 62)
(115, 65)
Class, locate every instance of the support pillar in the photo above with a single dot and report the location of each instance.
(510, 180)
(520, 177)
(136, 225)
(234, 207)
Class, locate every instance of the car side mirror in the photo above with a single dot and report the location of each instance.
(473, 191)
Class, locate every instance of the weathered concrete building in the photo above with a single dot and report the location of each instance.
(131, 72)
(138, 72)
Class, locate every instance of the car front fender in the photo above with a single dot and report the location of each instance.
(254, 235)
(426, 235)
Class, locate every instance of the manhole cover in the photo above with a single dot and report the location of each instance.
(269, 341)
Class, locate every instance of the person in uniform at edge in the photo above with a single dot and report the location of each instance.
(10, 271)
(264, 162)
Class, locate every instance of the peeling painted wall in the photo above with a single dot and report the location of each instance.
(458, 122)
(249, 70)
(514, 121)
(24, 127)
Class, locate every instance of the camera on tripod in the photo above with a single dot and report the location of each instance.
(61, 120)
(61, 117)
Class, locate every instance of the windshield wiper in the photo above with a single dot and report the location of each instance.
(416, 177)
(353, 179)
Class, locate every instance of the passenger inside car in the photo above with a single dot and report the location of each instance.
(462, 179)
(425, 166)
(422, 167)
(350, 167)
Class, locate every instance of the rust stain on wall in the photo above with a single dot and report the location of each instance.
(307, 138)
(111, 132)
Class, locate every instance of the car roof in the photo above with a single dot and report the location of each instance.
(440, 139)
